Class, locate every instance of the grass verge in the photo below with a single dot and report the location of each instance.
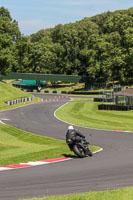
(120, 194)
(18, 146)
(8, 92)
(83, 99)
(87, 114)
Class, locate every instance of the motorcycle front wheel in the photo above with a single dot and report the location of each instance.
(89, 152)
(79, 151)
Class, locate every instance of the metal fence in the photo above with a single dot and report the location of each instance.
(46, 77)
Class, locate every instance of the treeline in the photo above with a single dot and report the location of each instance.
(100, 47)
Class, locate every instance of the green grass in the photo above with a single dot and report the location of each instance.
(87, 114)
(89, 95)
(82, 99)
(72, 87)
(19, 146)
(120, 194)
(64, 87)
(8, 92)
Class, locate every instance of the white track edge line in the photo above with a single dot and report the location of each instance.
(84, 126)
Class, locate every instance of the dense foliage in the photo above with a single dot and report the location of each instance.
(100, 47)
(9, 36)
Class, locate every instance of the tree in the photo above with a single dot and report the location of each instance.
(100, 47)
(9, 35)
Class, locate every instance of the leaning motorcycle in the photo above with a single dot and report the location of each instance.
(80, 147)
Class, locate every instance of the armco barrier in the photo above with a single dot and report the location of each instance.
(85, 93)
(102, 99)
(114, 107)
(54, 92)
(71, 92)
(19, 100)
(68, 92)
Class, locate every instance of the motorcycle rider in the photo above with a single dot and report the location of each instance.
(73, 135)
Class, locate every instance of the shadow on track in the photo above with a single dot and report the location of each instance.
(70, 156)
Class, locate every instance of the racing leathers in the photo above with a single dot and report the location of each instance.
(73, 135)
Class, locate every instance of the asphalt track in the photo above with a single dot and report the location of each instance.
(112, 168)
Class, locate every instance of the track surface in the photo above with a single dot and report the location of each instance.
(109, 169)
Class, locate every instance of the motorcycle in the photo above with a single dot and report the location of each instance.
(79, 147)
